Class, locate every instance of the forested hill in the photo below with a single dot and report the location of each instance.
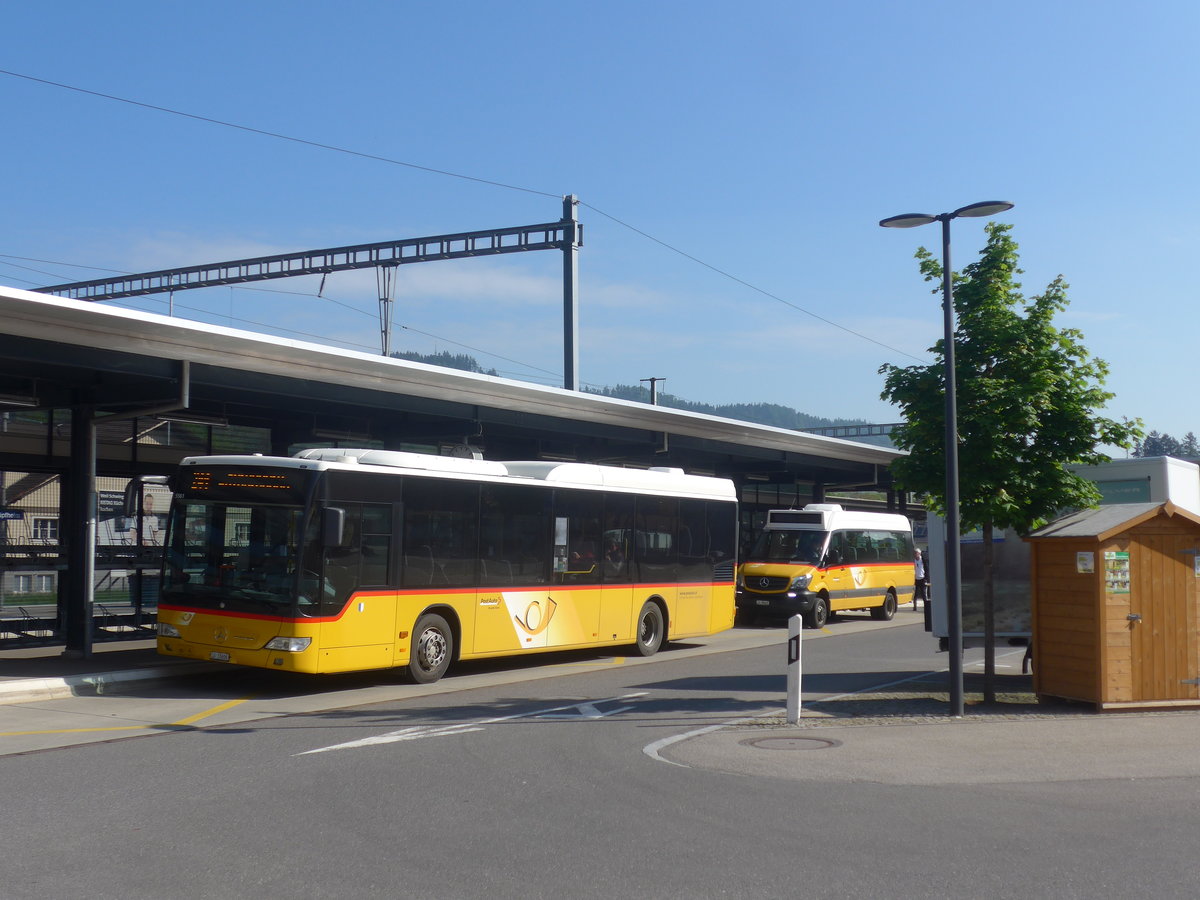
(761, 413)
(772, 414)
(446, 361)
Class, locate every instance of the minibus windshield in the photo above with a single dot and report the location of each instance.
(790, 547)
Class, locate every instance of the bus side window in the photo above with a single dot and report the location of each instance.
(342, 562)
(833, 553)
(693, 542)
(513, 547)
(440, 543)
(577, 538)
(857, 548)
(618, 531)
(376, 544)
(657, 523)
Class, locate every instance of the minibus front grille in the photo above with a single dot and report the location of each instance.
(765, 584)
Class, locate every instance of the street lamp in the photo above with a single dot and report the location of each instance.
(953, 585)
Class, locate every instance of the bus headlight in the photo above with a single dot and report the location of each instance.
(800, 582)
(166, 629)
(289, 644)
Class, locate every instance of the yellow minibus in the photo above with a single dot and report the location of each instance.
(823, 559)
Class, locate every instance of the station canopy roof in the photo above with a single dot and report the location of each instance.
(58, 353)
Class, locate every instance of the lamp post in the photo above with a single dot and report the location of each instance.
(953, 586)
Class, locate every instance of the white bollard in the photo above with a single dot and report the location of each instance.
(793, 670)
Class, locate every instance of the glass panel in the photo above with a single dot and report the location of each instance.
(362, 559)
(440, 546)
(343, 563)
(581, 511)
(792, 546)
(722, 536)
(243, 557)
(618, 539)
(514, 546)
(654, 539)
(237, 440)
(693, 542)
(183, 438)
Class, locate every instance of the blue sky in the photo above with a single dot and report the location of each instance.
(764, 139)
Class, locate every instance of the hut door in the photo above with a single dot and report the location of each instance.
(1163, 593)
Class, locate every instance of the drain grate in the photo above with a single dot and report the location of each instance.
(790, 743)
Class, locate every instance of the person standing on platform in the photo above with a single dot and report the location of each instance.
(920, 580)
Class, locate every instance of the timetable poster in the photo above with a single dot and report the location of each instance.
(1116, 571)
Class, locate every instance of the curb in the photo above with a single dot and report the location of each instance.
(23, 690)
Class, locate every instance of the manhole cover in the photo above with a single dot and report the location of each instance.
(790, 743)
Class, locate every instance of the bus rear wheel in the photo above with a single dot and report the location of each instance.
(432, 649)
(887, 611)
(649, 629)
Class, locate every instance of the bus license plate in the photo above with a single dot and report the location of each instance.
(218, 656)
(763, 602)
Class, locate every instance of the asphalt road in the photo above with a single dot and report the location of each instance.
(536, 782)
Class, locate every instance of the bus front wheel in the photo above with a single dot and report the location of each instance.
(649, 629)
(819, 614)
(432, 649)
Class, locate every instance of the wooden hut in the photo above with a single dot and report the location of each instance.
(1116, 607)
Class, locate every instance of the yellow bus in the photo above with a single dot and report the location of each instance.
(338, 560)
(822, 559)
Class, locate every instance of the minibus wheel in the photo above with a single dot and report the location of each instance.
(819, 614)
(432, 649)
(649, 629)
(888, 610)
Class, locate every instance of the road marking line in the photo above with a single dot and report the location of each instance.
(212, 712)
(612, 661)
(182, 723)
(586, 710)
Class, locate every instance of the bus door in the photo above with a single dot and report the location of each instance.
(616, 570)
(841, 561)
(693, 560)
(515, 605)
(657, 551)
(357, 608)
(577, 551)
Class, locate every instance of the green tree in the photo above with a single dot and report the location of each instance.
(1155, 444)
(1028, 395)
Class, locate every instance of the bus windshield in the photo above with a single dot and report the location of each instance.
(790, 547)
(233, 556)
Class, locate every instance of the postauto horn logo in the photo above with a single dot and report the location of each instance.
(536, 619)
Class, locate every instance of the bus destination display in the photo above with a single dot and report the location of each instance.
(263, 485)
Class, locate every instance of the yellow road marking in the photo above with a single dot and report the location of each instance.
(614, 661)
(212, 712)
(182, 723)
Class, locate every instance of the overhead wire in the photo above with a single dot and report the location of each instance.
(745, 283)
(275, 134)
(391, 161)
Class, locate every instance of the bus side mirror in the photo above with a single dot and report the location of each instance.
(334, 526)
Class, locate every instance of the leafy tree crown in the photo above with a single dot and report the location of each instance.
(1028, 395)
